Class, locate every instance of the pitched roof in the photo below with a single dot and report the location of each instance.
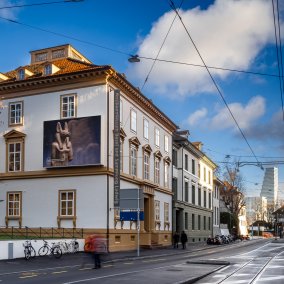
(65, 65)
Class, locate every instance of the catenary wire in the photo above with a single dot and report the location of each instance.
(39, 4)
(281, 57)
(160, 49)
(128, 54)
(213, 80)
(277, 55)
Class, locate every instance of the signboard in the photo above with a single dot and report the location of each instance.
(131, 215)
(116, 149)
(131, 199)
(72, 142)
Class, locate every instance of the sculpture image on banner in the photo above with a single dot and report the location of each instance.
(72, 142)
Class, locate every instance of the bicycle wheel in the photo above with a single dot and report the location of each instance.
(32, 252)
(76, 247)
(57, 252)
(43, 250)
(27, 253)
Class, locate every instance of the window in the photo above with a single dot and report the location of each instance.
(167, 174)
(133, 160)
(193, 194)
(217, 216)
(209, 200)
(186, 162)
(14, 156)
(121, 112)
(58, 53)
(146, 165)
(14, 204)
(186, 186)
(174, 186)
(157, 210)
(199, 196)
(166, 143)
(121, 155)
(157, 137)
(193, 221)
(204, 198)
(204, 223)
(193, 166)
(48, 69)
(199, 222)
(157, 171)
(199, 170)
(67, 203)
(166, 212)
(41, 56)
(133, 122)
(204, 174)
(21, 74)
(68, 106)
(209, 177)
(174, 157)
(146, 129)
(16, 113)
(209, 223)
(186, 220)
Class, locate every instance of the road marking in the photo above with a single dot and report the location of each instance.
(154, 260)
(87, 268)
(28, 276)
(128, 262)
(58, 272)
(108, 265)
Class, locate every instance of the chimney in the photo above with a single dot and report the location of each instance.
(198, 145)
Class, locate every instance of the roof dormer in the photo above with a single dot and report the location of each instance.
(50, 69)
(23, 73)
(3, 77)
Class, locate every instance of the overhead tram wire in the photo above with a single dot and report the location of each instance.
(142, 57)
(214, 82)
(281, 57)
(280, 70)
(155, 60)
(39, 4)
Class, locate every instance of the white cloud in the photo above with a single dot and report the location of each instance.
(197, 116)
(245, 115)
(228, 34)
(9, 13)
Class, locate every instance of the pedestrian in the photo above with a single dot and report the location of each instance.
(183, 239)
(99, 247)
(176, 239)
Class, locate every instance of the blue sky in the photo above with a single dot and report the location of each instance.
(229, 34)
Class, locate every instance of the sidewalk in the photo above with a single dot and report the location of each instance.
(188, 272)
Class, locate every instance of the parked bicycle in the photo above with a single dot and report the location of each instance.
(54, 250)
(71, 247)
(29, 250)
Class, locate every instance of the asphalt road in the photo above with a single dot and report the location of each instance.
(165, 268)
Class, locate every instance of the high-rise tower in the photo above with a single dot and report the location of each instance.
(270, 185)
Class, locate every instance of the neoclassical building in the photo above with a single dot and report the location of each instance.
(57, 150)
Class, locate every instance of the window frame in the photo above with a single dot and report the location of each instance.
(166, 212)
(166, 174)
(157, 176)
(146, 129)
(186, 162)
(19, 202)
(146, 165)
(157, 137)
(186, 190)
(133, 120)
(68, 110)
(157, 210)
(21, 116)
(60, 202)
(133, 159)
(166, 143)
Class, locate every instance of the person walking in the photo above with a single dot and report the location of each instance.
(176, 239)
(183, 239)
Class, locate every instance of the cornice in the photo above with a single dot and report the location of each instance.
(141, 100)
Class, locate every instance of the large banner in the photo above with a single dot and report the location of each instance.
(72, 142)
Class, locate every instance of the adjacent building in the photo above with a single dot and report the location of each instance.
(217, 186)
(270, 186)
(256, 209)
(58, 154)
(192, 187)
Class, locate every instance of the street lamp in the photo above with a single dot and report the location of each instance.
(134, 58)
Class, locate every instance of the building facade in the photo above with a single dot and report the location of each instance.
(193, 189)
(256, 209)
(57, 150)
(218, 184)
(270, 186)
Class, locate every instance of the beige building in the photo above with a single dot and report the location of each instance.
(57, 151)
